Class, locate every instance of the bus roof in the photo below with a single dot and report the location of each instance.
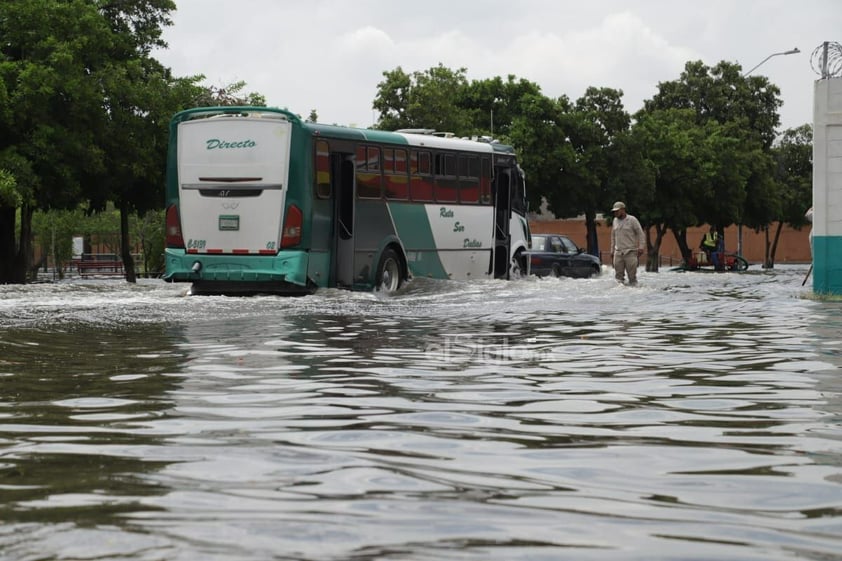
(409, 138)
(412, 137)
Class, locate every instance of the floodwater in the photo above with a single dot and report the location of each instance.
(697, 416)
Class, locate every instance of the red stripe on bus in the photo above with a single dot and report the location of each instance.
(213, 251)
(192, 250)
(267, 252)
(240, 251)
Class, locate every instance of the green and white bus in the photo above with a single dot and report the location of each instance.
(259, 201)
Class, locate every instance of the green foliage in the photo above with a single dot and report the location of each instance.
(422, 100)
(9, 194)
(54, 230)
(493, 104)
(228, 96)
(794, 166)
(443, 100)
(148, 231)
(709, 135)
(539, 134)
(84, 109)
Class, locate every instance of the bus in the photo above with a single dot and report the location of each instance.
(259, 201)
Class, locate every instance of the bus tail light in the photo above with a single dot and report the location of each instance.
(291, 233)
(173, 228)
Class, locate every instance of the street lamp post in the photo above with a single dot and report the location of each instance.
(793, 51)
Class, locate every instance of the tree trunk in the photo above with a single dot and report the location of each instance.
(681, 240)
(125, 246)
(24, 256)
(768, 263)
(15, 256)
(653, 249)
(593, 240)
(774, 248)
(7, 243)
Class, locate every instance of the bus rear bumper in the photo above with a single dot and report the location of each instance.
(285, 272)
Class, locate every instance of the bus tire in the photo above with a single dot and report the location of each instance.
(390, 275)
(517, 269)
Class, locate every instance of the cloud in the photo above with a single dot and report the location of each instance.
(329, 55)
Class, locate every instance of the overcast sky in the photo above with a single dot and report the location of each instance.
(329, 55)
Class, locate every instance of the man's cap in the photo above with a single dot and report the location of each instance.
(617, 206)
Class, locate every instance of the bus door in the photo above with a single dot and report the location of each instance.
(502, 212)
(343, 168)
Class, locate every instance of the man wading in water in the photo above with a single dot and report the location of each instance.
(627, 244)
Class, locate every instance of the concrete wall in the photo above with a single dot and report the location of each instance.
(827, 186)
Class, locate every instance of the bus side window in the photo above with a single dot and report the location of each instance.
(447, 182)
(368, 172)
(322, 165)
(468, 179)
(485, 181)
(421, 182)
(394, 167)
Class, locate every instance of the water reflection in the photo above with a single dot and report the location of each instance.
(69, 395)
(694, 417)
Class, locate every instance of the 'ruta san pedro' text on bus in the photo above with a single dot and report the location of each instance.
(260, 201)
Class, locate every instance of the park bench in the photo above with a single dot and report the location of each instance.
(102, 264)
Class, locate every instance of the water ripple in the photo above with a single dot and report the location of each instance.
(696, 417)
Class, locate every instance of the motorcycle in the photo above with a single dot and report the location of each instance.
(728, 262)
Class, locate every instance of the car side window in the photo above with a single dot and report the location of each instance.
(569, 246)
(556, 244)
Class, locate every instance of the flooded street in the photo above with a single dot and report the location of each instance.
(698, 416)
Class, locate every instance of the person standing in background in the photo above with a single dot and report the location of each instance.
(710, 245)
(627, 244)
(809, 216)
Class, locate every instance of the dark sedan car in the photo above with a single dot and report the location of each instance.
(557, 255)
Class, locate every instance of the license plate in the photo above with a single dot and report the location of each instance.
(229, 222)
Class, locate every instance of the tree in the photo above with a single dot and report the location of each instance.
(794, 176)
(538, 133)
(740, 115)
(84, 111)
(48, 61)
(426, 99)
(672, 142)
(10, 200)
(230, 95)
(601, 141)
(493, 104)
(578, 157)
